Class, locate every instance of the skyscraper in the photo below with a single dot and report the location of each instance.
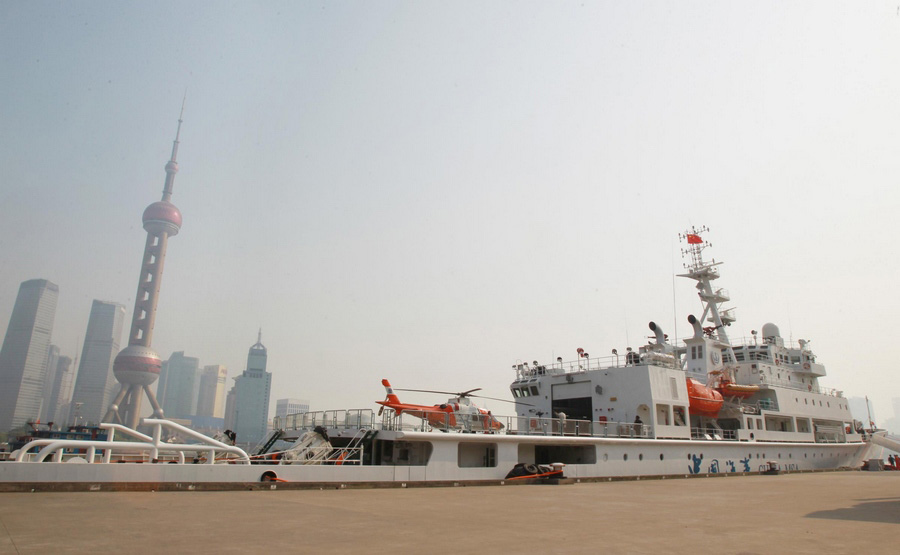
(138, 365)
(23, 357)
(230, 402)
(62, 389)
(252, 392)
(211, 399)
(284, 407)
(182, 386)
(49, 379)
(95, 384)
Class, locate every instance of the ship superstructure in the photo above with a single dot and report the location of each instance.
(704, 388)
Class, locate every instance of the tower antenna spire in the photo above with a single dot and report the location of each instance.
(178, 132)
(137, 366)
(172, 164)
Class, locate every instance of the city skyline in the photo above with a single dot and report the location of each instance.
(432, 193)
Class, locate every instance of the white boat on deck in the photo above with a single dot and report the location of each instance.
(705, 406)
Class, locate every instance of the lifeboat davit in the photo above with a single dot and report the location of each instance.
(730, 389)
(703, 400)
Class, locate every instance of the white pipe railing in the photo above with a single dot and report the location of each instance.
(152, 445)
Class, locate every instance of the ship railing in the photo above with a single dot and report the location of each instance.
(332, 419)
(427, 421)
(713, 434)
(826, 433)
(809, 388)
(525, 372)
(587, 428)
(516, 425)
(149, 446)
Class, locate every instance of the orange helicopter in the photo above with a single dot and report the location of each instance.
(458, 413)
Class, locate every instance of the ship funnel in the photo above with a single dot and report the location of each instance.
(698, 330)
(660, 336)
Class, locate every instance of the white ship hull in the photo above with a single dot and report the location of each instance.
(459, 458)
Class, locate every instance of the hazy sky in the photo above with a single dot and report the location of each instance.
(431, 191)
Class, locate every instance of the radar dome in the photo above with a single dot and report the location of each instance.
(770, 330)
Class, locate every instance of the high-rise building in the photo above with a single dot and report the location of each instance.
(23, 357)
(95, 384)
(230, 407)
(181, 386)
(284, 407)
(161, 384)
(47, 411)
(252, 392)
(211, 399)
(138, 365)
(61, 392)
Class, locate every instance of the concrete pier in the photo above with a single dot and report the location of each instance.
(833, 512)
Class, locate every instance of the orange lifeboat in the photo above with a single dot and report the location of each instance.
(703, 400)
(731, 389)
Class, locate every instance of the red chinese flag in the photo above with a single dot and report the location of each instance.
(694, 239)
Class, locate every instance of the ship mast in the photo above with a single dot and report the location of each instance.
(703, 273)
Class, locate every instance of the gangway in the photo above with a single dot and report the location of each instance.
(882, 438)
(274, 436)
(354, 451)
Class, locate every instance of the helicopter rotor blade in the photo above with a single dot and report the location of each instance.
(461, 394)
(454, 393)
(503, 400)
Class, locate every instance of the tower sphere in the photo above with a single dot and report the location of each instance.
(162, 216)
(137, 365)
(171, 166)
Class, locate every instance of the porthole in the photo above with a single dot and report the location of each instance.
(605, 457)
(660, 456)
(640, 456)
(790, 455)
(625, 457)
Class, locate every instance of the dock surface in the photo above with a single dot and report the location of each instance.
(831, 512)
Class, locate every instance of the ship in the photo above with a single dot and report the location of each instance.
(707, 405)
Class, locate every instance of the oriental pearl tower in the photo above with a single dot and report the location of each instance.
(137, 366)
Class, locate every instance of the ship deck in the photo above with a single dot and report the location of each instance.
(822, 512)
